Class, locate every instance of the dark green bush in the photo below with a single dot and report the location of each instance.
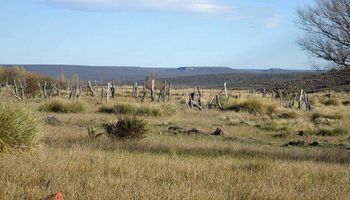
(126, 128)
(19, 128)
(62, 107)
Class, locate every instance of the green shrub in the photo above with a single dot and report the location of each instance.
(62, 107)
(148, 111)
(332, 132)
(19, 128)
(253, 106)
(128, 109)
(332, 102)
(126, 128)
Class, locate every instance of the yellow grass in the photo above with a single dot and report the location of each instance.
(248, 162)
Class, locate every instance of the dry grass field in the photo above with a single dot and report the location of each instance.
(180, 158)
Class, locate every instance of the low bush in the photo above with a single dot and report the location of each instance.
(148, 111)
(332, 132)
(253, 106)
(19, 128)
(126, 128)
(128, 109)
(62, 107)
(332, 102)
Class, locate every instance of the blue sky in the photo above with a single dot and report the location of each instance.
(152, 33)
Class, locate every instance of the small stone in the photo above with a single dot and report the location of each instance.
(302, 134)
(52, 120)
(55, 196)
(175, 129)
(314, 144)
(295, 143)
(193, 131)
(218, 132)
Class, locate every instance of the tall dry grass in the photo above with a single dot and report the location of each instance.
(247, 162)
(19, 127)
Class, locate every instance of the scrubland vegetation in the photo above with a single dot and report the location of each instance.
(128, 150)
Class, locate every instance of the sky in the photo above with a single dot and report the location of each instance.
(243, 34)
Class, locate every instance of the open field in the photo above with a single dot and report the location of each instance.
(180, 158)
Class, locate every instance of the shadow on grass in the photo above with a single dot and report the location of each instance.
(325, 155)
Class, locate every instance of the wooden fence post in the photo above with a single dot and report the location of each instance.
(169, 91)
(108, 92)
(91, 89)
(152, 90)
(300, 106)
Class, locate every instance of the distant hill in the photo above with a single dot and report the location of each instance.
(121, 73)
(241, 80)
(129, 73)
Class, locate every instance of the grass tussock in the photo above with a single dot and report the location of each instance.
(62, 107)
(332, 132)
(332, 102)
(126, 128)
(289, 115)
(128, 109)
(253, 106)
(19, 128)
(317, 116)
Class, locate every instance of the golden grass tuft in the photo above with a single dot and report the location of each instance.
(19, 127)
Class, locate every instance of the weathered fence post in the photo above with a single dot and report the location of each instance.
(44, 90)
(91, 89)
(307, 102)
(108, 93)
(144, 92)
(169, 91)
(152, 90)
(21, 89)
(225, 89)
(113, 89)
(300, 106)
(134, 93)
(102, 94)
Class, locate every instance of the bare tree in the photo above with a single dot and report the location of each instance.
(327, 27)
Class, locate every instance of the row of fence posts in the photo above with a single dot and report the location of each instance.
(49, 89)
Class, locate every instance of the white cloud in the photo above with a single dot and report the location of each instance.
(192, 6)
(254, 15)
(273, 22)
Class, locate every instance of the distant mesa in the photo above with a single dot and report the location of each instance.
(185, 68)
